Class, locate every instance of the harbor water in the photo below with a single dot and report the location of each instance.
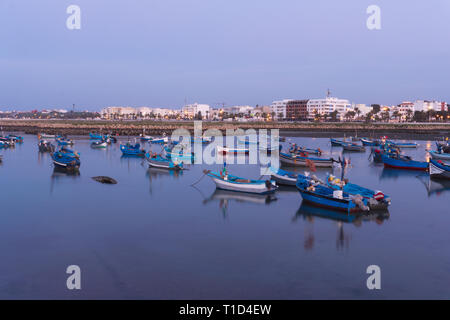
(154, 236)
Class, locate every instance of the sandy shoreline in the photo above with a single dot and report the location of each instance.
(132, 128)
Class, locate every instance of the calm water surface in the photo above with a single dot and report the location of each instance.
(153, 236)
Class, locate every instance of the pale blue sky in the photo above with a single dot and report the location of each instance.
(158, 53)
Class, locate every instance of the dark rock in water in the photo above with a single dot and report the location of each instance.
(103, 179)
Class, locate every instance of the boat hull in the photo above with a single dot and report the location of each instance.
(438, 170)
(353, 148)
(298, 161)
(343, 205)
(439, 156)
(390, 162)
(256, 187)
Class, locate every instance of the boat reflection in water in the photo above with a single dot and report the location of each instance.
(435, 187)
(225, 197)
(309, 213)
(394, 174)
(153, 173)
(60, 174)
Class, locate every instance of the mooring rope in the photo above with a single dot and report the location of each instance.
(205, 172)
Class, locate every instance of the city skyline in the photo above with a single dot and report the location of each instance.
(163, 53)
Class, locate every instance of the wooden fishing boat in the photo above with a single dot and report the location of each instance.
(17, 139)
(439, 155)
(7, 143)
(439, 169)
(202, 140)
(95, 136)
(304, 161)
(132, 150)
(283, 177)
(64, 141)
(180, 156)
(370, 143)
(443, 148)
(294, 149)
(157, 161)
(353, 147)
(46, 146)
(160, 140)
(46, 136)
(403, 162)
(229, 182)
(402, 144)
(376, 199)
(99, 144)
(225, 150)
(322, 196)
(336, 142)
(66, 159)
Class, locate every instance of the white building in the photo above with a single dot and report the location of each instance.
(426, 105)
(363, 108)
(327, 105)
(240, 109)
(279, 108)
(118, 112)
(191, 110)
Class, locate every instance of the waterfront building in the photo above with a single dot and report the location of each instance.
(118, 113)
(428, 105)
(278, 108)
(192, 110)
(297, 110)
(326, 106)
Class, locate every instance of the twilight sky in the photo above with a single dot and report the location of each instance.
(160, 52)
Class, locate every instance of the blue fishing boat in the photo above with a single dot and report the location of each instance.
(322, 196)
(402, 144)
(376, 199)
(64, 141)
(202, 140)
(17, 139)
(129, 149)
(439, 169)
(403, 162)
(303, 150)
(66, 159)
(158, 161)
(336, 142)
(95, 136)
(180, 156)
(283, 177)
(439, 155)
(160, 140)
(370, 143)
(7, 143)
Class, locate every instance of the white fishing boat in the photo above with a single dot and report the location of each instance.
(46, 136)
(234, 183)
(225, 150)
(439, 169)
